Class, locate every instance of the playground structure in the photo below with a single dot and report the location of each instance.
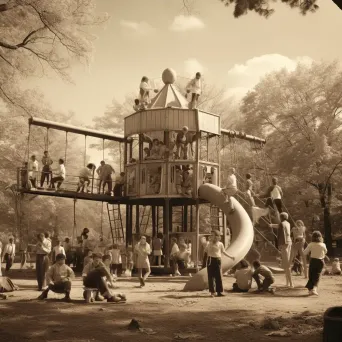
(170, 156)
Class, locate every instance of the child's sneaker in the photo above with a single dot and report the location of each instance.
(212, 295)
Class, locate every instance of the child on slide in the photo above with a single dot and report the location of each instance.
(214, 251)
(231, 189)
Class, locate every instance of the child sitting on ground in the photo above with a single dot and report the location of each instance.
(243, 276)
(266, 273)
(336, 267)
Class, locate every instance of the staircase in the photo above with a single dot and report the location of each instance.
(115, 222)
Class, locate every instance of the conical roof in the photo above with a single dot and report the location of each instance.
(169, 95)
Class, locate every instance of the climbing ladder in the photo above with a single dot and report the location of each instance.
(216, 218)
(115, 222)
(145, 219)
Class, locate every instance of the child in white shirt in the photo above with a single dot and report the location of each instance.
(58, 249)
(243, 276)
(214, 251)
(318, 251)
(116, 266)
(336, 267)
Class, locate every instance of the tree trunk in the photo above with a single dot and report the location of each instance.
(325, 198)
(327, 230)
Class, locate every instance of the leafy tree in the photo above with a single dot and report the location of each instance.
(263, 7)
(40, 37)
(300, 113)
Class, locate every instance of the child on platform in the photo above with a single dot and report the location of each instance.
(214, 252)
(318, 251)
(243, 276)
(266, 273)
(336, 267)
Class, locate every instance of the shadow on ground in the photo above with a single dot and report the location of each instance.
(54, 321)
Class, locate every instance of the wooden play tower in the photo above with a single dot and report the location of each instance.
(169, 152)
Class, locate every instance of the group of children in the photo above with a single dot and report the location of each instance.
(193, 88)
(262, 275)
(30, 173)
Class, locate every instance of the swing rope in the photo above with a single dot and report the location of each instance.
(85, 150)
(74, 231)
(102, 219)
(66, 147)
(120, 148)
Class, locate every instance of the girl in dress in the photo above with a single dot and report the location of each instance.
(143, 250)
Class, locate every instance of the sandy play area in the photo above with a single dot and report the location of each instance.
(165, 313)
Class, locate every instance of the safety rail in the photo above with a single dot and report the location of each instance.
(71, 183)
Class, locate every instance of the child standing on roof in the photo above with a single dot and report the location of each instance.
(214, 251)
(145, 89)
(230, 189)
(194, 88)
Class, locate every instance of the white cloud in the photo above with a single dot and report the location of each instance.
(191, 66)
(243, 77)
(141, 28)
(183, 23)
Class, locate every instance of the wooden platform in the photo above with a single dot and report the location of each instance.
(111, 199)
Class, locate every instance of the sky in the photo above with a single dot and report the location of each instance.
(145, 37)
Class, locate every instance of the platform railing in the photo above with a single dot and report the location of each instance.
(71, 182)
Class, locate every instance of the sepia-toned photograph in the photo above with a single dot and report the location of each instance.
(171, 170)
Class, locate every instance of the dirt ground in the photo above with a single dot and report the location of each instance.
(165, 313)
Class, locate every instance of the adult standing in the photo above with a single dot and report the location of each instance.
(9, 254)
(284, 245)
(298, 234)
(43, 249)
(46, 170)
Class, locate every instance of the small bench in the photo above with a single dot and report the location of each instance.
(89, 293)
